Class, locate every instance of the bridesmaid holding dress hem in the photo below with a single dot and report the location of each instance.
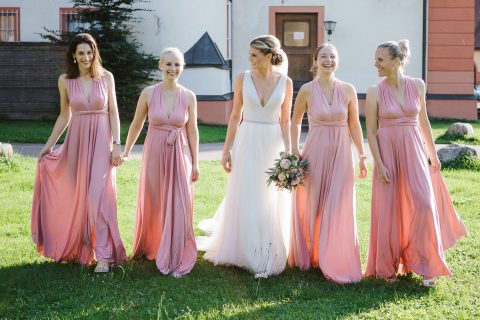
(163, 223)
(413, 220)
(74, 212)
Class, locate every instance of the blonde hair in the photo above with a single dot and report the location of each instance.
(314, 68)
(400, 50)
(268, 44)
(173, 50)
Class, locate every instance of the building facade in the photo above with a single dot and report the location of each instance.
(441, 35)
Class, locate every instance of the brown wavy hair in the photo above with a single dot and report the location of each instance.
(71, 68)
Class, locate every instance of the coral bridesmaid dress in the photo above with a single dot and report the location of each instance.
(74, 212)
(409, 214)
(163, 224)
(323, 232)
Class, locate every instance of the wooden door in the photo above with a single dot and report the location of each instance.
(298, 34)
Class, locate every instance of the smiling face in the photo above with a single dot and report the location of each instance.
(384, 63)
(259, 60)
(84, 56)
(171, 65)
(327, 60)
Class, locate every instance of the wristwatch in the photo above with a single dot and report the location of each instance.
(117, 142)
(362, 156)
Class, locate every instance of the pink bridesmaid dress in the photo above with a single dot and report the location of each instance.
(413, 220)
(164, 217)
(74, 212)
(323, 229)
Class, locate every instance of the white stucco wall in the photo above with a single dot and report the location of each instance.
(180, 24)
(206, 81)
(361, 26)
(36, 14)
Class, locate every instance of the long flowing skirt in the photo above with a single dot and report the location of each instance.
(251, 226)
(324, 232)
(74, 212)
(163, 223)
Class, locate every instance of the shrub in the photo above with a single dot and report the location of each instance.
(465, 160)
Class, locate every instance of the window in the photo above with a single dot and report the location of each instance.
(296, 34)
(9, 24)
(69, 21)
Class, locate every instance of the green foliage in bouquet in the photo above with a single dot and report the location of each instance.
(287, 171)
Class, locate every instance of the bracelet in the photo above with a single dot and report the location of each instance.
(117, 142)
(362, 156)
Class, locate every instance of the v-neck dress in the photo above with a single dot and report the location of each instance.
(74, 212)
(323, 231)
(163, 223)
(413, 219)
(251, 226)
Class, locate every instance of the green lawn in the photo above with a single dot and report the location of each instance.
(36, 288)
(39, 131)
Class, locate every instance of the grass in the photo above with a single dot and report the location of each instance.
(440, 126)
(27, 131)
(36, 288)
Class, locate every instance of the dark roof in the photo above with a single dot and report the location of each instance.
(205, 53)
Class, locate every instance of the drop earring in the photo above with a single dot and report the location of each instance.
(74, 60)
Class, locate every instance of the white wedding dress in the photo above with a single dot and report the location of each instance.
(251, 227)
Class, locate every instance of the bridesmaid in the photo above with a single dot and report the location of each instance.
(412, 220)
(323, 230)
(74, 212)
(163, 224)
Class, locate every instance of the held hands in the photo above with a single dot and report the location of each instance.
(363, 169)
(383, 173)
(117, 157)
(227, 161)
(195, 173)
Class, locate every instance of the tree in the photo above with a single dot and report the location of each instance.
(110, 22)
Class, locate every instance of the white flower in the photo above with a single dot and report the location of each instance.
(285, 164)
(281, 176)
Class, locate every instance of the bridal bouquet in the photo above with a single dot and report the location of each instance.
(287, 172)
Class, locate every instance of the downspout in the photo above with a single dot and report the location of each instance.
(231, 44)
(424, 41)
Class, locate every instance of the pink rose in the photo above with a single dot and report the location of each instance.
(285, 164)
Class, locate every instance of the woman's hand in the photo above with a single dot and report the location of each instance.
(117, 158)
(227, 161)
(383, 173)
(363, 168)
(296, 152)
(195, 173)
(436, 162)
(44, 150)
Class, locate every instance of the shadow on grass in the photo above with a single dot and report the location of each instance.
(137, 290)
(447, 139)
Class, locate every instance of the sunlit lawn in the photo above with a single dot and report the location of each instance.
(32, 287)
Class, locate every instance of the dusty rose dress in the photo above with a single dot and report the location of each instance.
(323, 229)
(74, 212)
(163, 224)
(409, 214)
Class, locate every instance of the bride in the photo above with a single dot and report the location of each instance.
(251, 227)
